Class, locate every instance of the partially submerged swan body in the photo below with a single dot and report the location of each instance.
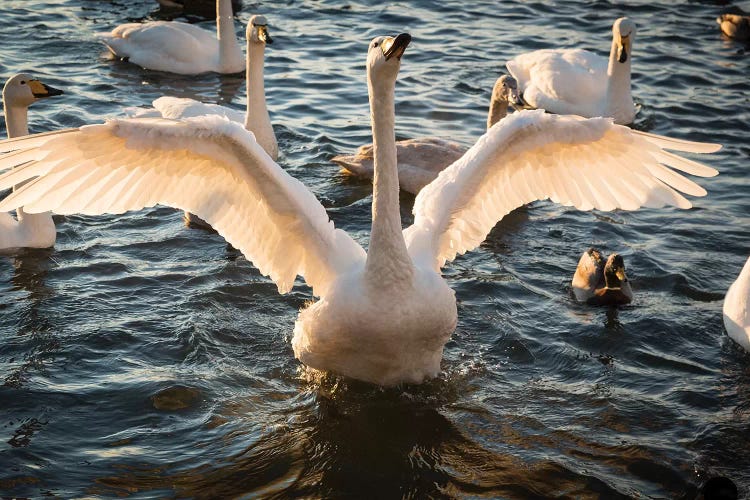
(26, 230)
(598, 281)
(382, 316)
(178, 47)
(420, 160)
(736, 309)
(578, 82)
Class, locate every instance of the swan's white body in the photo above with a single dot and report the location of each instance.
(179, 47)
(578, 82)
(385, 315)
(420, 160)
(28, 230)
(737, 308)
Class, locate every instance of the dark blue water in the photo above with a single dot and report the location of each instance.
(141, 358)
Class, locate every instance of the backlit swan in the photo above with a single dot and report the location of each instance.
(29, 230)
(578, 82)
(421, 160)
(179, 47)
(385, 315)
(737, 308)
(601, 282)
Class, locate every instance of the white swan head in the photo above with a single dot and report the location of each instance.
(23, 90)
(257, 30)
(506, 91)
(623, 32)
(384, 56)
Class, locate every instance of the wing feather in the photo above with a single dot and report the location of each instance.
(208, 166)
(528, 156)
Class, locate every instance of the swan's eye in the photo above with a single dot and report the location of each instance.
(23, 82)
(375, 44)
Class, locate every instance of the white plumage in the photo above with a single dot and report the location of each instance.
(385, 315)
(737, 308)
(179, 47)
(579, 82)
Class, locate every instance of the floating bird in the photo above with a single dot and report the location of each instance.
(383, 316)
(255, 118)
(737, 308)
(179, 47)
(735, 23)
(28, 230)
(421, 160)
(579, 82)
(599, 282)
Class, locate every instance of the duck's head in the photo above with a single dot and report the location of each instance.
(23, 90)
(623, 32)
(257, 30)
(614, 271)
(506, 90)
(384, 56)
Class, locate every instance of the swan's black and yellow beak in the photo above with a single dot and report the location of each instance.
(40, 90)
(395, 47)
(263, 35)
(622, 49)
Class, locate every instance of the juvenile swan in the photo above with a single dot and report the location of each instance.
(421, 160)
(179, 47)
(28, 230)
(383, 316)
(578, 82)
(737, 308)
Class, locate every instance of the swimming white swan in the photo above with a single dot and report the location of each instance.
(601, 282)
(737, 308)
(29, 230)
(385, 315)
(255, 118)
(179, 47)
(578, 82)
(420, 160)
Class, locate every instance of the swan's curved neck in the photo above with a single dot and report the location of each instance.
(388, 262)
(257, 119)
(498, 110)
(228, 45)
(619, 99)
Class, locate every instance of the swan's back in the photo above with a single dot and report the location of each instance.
(737, 308)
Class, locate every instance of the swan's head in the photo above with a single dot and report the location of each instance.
(623, 32)
(506, 91)
(384, 55)
(614, 271)
(23, 90)
(257, 30)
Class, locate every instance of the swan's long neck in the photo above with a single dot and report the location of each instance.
(228, 45)
(498, 111)
(388, 262)
(257, 119)
(619, 99)
(17, 125)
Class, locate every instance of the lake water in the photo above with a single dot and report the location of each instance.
(141, 358)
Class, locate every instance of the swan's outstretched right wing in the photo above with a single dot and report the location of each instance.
(208, 166)
(530, 155)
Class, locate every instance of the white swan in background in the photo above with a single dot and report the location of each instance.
(255, 117)
(420, 160)
(737, 308)
(179, 47)
(601, 282)
(385, 315)
(579, 82)
(28, 230)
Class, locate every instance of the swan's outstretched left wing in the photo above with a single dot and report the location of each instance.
(209, 166)
(528, 156)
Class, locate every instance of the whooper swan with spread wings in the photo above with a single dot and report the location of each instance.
(385, 315)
